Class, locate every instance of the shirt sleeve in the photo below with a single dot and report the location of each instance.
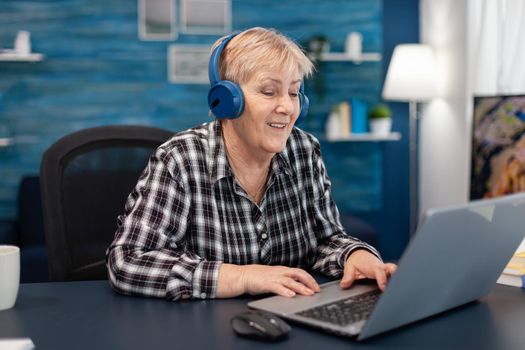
(147, 256)
(334, 245)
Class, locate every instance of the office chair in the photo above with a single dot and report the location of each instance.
(85, 179)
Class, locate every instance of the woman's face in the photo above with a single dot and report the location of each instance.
(271, 107)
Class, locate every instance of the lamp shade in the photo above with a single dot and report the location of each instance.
(411, 74)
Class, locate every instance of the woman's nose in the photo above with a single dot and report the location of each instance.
(286, 105)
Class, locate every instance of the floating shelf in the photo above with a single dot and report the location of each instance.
(343, 56)
(11, 56)
(368, 137)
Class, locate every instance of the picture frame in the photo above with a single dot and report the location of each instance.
(212, 17)
(188, 64)
(157, 20)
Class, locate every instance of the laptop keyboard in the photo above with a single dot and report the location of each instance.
(346, 311)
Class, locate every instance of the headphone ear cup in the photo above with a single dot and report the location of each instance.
(304, 104)
(225, 100)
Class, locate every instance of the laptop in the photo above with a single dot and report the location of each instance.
(455, 257)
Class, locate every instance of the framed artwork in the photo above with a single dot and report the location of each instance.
(157, 19)
(498, 146)
(206, 16)
(188, 64)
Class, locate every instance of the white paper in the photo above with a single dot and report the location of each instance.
(16, 344)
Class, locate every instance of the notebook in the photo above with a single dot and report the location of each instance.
(455, 257)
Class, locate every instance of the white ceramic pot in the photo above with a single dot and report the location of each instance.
(380, 126)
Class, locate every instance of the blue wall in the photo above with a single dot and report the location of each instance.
(97, 72)
(400, 25)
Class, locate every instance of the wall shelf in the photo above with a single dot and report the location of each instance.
(11, 56)
(344, 57)
(368, 137)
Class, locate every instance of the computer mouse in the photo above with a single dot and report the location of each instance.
(260, 325)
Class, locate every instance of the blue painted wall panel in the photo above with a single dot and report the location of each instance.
(98, 72)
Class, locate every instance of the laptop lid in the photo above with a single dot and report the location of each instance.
(455, 257)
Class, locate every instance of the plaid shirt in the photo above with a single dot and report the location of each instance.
(188, 214)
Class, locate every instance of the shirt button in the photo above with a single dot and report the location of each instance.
(264, 236)
(203, 295)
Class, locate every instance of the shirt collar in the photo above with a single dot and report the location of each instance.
(218, 161)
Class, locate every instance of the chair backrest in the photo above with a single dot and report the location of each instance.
(85, 180)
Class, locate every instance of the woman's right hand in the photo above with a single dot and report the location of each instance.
(281, 280)
(235, 280)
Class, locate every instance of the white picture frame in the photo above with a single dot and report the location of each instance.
(157, 20)
(205, 16)
(188, 64)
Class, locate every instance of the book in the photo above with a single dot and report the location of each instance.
(344, 119)
(514, 272)
(359, 119)
(512, 277)
(518, 259)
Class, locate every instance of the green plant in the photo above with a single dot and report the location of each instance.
(318, 44)
(379, 111)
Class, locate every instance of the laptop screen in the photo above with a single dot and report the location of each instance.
(498, 146)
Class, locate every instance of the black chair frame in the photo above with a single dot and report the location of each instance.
(52, 168)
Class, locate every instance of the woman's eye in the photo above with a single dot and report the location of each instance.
(294, 94)
(268, 93)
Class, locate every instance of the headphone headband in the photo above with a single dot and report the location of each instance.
(213, 74)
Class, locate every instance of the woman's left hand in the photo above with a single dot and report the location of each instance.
(363, 264)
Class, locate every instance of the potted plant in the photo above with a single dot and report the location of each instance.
(380, 119)
(317, 45)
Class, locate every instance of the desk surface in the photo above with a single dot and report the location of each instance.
(89, 315)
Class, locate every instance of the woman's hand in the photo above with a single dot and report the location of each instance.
(281, 280)
(363, 264)
(235, 280)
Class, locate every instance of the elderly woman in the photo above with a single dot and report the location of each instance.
(241, 204)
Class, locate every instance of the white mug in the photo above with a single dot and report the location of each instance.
(9, 275)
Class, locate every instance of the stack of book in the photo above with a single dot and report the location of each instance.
(514, 273)
(346, 118)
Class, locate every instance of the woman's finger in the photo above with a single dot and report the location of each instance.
(381, 278)
(281, 290)
(390, 268)
(305, 278)
(297, 287)
(348, 275)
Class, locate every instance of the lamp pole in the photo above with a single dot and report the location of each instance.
(412, 77)
(413, 176)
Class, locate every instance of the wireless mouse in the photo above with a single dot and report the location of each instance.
(260, 325)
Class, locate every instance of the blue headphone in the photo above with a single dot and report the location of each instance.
(225, 98)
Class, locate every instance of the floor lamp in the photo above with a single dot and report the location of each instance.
(412, 78)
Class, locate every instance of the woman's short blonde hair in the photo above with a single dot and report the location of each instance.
(259, 49)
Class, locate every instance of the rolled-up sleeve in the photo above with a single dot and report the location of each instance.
(334, 245)
(148, 255)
